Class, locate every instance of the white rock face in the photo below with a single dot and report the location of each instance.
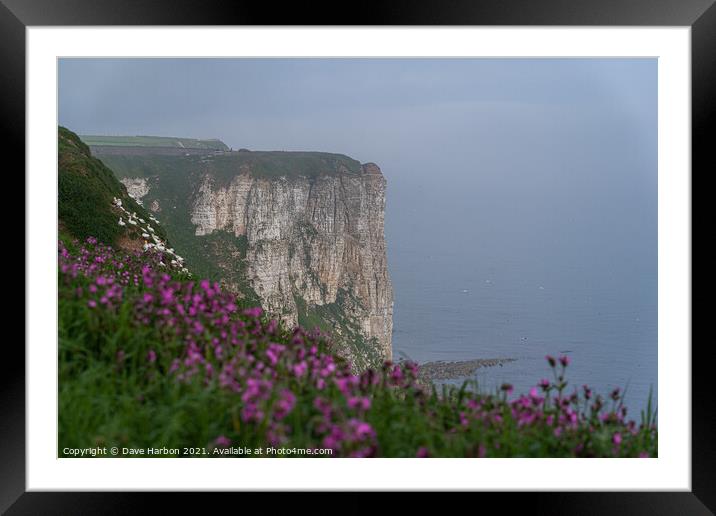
(312, 237)
(137, 187)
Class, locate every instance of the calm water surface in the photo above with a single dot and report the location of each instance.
(499, 272)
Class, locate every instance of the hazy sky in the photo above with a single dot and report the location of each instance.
(371, 109)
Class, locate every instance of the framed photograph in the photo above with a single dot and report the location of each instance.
(434, 250)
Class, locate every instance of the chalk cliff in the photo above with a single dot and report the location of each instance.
(304, 231)
(136, 187)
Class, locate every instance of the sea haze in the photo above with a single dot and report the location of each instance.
(523, 276)
(545, 245)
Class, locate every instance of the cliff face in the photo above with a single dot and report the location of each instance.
(317, 241)
(301, 233)
(136, 187)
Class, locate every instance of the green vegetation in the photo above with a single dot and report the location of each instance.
(86, 188)
(154, 141)
(274, 164)
(331, 319)
(163, 362)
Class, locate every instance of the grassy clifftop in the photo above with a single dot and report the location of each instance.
(273, 164)
(223, 167)
(154, 141)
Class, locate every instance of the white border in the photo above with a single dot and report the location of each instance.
(671, 471)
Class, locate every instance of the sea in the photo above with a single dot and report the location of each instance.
(499, 269)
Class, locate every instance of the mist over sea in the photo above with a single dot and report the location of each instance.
(496, 268)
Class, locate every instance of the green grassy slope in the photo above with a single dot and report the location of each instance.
(86, 188)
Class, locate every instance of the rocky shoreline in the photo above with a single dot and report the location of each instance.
(441, 370)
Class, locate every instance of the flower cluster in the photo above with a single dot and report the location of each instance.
(239, 350)
(576, 417)
(286, 387)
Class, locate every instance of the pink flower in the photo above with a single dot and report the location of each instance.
(323, 405)
(151, 356)
(343, 385)
(254, 312)
(300, 369)
(222, 441)
(359, 403)
(362, 429)
(251, 413)
(396, 375)
(285, 404)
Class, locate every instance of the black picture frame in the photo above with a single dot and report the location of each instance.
(16, 15)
